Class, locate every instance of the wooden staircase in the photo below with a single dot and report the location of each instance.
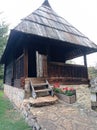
(40, 88)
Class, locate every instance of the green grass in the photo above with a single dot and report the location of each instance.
(1, 84)
(10, 119)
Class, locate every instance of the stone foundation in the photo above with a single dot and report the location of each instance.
(83, 95)
(16, 95)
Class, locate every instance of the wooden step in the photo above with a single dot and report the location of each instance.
(40, 84)
(38, 80)
(40, 87)
(43, 90)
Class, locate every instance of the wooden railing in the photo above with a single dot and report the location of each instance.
(67, 70)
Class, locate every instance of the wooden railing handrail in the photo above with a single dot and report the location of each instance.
(64, 64)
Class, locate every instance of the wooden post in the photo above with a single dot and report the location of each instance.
(25, 63)
(85, 61)
(37, 64)
(85, 64)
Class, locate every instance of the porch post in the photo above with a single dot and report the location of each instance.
(25, 62)
(85, 61)
(85, 64)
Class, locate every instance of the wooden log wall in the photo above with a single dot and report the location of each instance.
(9, 74)
(14, 71)
(17, 83)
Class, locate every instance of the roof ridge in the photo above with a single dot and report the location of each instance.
(46, 3)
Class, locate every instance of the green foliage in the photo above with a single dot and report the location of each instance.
(3, 41)
(3, 36)
(69, 93)
(57, 90)
(1, 84)
(92, 71)
(10, 119)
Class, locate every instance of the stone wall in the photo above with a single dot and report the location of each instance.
(16, 95)
(83, 95)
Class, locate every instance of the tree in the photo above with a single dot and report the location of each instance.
(3, 36)
(92, 71)
(3, 41)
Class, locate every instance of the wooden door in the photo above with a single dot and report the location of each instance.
(41, 65)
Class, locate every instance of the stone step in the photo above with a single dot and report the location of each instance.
(43, 101)
(43, 90)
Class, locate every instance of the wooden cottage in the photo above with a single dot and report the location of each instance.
(39, 47)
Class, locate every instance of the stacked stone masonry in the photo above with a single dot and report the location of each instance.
(16, 95)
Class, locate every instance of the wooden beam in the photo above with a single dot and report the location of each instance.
(25, 63)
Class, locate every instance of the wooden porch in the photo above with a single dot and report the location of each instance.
(64, 74)
(20, 69)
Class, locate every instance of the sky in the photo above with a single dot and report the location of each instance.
(80, 13)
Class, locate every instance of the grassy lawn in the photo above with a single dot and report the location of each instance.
(1, 84)
(10, 119)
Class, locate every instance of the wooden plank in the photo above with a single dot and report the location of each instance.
(40, 84)
(43, 90)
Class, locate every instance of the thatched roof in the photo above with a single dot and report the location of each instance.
(44, 23)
